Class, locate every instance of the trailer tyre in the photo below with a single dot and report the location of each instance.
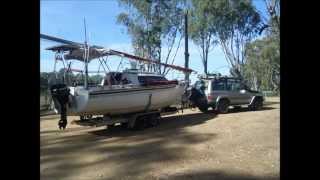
(140, 123)
(110, 126)
(154, 120)
(124, 125)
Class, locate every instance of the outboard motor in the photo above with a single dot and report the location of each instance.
(60, 93)
(198, 99)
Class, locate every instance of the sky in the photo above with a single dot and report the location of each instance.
(64, 19)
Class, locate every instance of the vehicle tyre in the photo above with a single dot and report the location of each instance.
(124, 125)
(202, 105)
(203, 109)
(223, 106)
(237, 108)
(111, 127)
(256, 105)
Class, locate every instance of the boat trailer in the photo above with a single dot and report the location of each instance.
(137, 120)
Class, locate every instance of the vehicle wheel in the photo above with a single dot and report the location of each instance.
(124, 125)
(111, 126)
(237, 108)
(223, 106)
(203, 108)
(256, 105)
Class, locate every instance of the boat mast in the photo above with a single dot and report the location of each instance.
(186, 53)
(86, 56)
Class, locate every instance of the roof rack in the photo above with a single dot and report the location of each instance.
(209, 76)
(215, 76)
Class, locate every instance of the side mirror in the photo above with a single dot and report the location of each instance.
(242, 91)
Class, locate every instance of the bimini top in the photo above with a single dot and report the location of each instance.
(77, 52)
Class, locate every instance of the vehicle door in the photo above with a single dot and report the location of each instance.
(245, 95)
(218, 88)
(233, 88)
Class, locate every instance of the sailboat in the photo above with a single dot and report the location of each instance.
(126, 92)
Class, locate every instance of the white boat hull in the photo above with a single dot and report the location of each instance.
(126, 100)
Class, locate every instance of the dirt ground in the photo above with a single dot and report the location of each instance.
(239, 145)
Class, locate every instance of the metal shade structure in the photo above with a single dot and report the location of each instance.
(77, 51)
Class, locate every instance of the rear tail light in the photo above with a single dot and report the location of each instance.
(210, 97)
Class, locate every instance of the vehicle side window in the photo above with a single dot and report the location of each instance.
(236, 86)
(233, 85)
(219, 85)
(229, 85)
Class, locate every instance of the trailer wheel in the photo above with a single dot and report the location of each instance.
(154, 120)
(140, 123)
(124, 125)
(110, 126)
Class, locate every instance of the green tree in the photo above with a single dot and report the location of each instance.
(96, 79)
(151, 25)
(273, 8)
(202, 28)
(262, 69)
(237, 22)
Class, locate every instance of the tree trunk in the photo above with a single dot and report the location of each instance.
(205, 66)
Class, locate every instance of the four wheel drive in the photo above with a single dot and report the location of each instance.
(223, 92)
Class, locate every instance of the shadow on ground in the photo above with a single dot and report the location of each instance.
(246, 109)
(271, 103)
(129, 153)
(217, 175)
(168, 123)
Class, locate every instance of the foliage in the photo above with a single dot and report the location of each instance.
(273, 8)
(202, 28)
(151, 25)
(49, 78)
(262, 69)
(237, 23)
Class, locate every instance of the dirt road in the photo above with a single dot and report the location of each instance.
(238, 145)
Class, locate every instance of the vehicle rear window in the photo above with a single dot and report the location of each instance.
(201, 84)
(219, 85)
